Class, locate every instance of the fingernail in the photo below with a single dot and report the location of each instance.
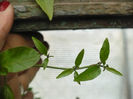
(4, 5)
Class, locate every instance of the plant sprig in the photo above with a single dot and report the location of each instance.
(21, 58)
(92, 71)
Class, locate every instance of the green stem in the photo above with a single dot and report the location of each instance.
(62, 68)
(52, 67)
(85, 67)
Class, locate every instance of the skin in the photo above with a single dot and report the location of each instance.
(6, 21)
(10, 41)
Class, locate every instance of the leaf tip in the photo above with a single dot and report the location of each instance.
(106, 38)
(33, 37)
(57, 77)
(50, 18)
(121, 74)
(83, 50)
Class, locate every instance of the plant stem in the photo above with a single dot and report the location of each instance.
(52, 67)
(62, 68)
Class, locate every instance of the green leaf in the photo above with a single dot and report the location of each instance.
(40, 46)
(6, 92)
(45, 63)
(3, 71)
(113, 71)
(89, 74)
(65, 73)
(75, 76)
(79, 58)
(104, 52)
(18, 59)
(47, 6)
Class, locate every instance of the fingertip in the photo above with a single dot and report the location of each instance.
(6, 21)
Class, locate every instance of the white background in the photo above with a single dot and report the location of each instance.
(65, 45)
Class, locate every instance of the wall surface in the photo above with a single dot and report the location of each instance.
(73, 14)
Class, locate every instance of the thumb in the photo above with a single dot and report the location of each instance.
(6, 20)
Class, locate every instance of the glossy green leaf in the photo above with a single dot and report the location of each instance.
(47, 6)
(6, 92)
(104, 52)
(79, 58)
(3, 71)
(19, 58)
(89, 74)
(76, 75)
(45, 63)
(40, 46)
(113, 71)
(65, 73)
